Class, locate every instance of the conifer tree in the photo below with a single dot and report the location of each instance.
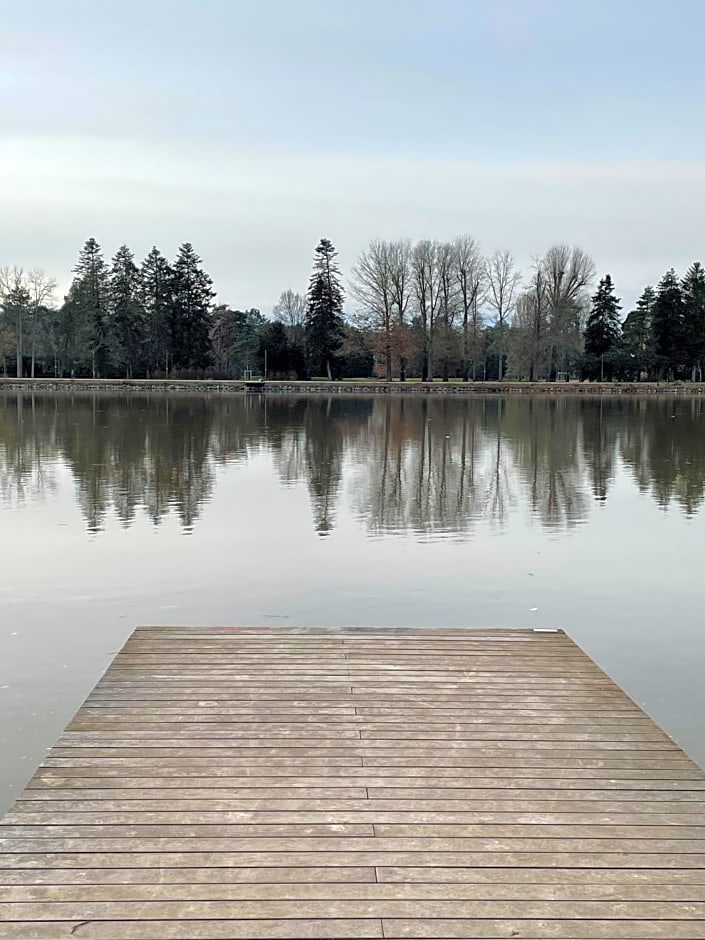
(668, 325)
(88, 296)
(127, 321)
(636, 342)
(602, 328)
(156, 283)
(191, 319)
(325, 329)
(693, 289)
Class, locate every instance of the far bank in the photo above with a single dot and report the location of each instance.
(354, 387)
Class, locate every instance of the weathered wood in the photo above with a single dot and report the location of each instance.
(366, 782)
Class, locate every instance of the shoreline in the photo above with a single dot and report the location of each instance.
(355, 387)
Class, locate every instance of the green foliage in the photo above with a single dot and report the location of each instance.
(602, 330)
(235, 335)
(127, 315)
(668, 326)
(274, 349)
(15, 308)
(156, 294)
(191, 309)
(89, 307)
(325, 330)
(693, 292)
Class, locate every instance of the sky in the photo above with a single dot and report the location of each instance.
(254, 129)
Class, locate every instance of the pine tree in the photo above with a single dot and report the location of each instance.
(16, 304)
(191, 321)
(325, 329)
(668, 325)
(88, 297)
(156, 283)
(636, 343)
(127, 321)
(602, 328)
(693, 288)
(274, 350)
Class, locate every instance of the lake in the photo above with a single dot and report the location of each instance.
(119, 510)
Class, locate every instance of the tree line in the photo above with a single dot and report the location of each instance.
(450, 312)
(422, 310)
(158, 319)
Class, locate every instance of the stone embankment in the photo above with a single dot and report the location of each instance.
(372, 387)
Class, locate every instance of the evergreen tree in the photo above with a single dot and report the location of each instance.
(236, 340)
(693, 288)
(127, 321)
(636, 342)
(191, 321)
(156, 283)
(88, 297)
(274, 350)
(15, 307)
(325, 329)
(602, 328)
(668, 325)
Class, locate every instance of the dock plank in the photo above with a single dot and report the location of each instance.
(362, 782)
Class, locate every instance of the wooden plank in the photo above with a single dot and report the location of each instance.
(327, 928)
(358, 782)
(91, 855)
(286, 775)
(536, 877)
(268, 909)
(354, 891)
(544, 929)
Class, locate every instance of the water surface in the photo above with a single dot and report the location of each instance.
(118, 510)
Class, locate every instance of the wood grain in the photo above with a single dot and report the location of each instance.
(362, 782)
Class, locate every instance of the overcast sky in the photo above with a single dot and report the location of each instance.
(254, 128)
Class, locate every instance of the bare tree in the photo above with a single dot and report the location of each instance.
(531, 327)
(567, 273)
(401, 280)
(503, 280)
(291, 311)
(470, 278)
(424, 267)
(371, 286)
(447, 298)
(15, 301)
(41, 292)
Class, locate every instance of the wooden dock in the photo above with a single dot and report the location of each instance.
(260, 783)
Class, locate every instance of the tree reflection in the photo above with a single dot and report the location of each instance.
(422, 466)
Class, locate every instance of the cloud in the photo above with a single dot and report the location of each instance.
(255, 217)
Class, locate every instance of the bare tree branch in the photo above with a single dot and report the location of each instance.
(471, 279)
(503, 281)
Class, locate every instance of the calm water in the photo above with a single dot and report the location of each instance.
(119, 510)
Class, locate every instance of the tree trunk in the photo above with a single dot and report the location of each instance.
(19, 344)
(501, 350)
(466, 350)
(602, 367)
(388, 356)
(402, 369)
(328, 371)
(34, 341)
